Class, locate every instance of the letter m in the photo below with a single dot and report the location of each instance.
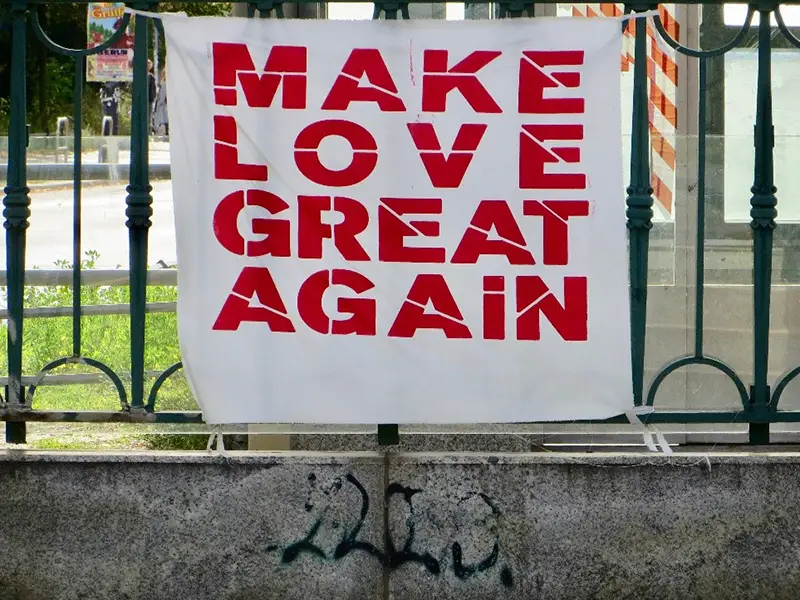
(287, 64)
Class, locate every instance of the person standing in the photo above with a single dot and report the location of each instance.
(110, 95)
(160, 114)
(151, 94)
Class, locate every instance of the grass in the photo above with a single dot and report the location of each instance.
(106, 339)
(106, 437)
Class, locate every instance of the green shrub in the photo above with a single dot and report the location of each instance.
(5, 108)
(174, 442)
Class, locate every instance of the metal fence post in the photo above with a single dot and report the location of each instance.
(77, 107)
(640, 204)
(389, 433)
(17, 210)
(762, 212)
(139, 209)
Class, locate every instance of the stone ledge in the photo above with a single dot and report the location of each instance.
(682, 458)
(400, 526)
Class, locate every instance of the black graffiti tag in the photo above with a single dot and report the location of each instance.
(406, 554)
(393, 557)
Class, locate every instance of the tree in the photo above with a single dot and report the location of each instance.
(50, 85)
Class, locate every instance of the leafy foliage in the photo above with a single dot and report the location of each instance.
(4, 110)
(50, 85)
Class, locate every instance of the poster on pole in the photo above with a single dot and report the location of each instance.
(400, 222)
(114, 63)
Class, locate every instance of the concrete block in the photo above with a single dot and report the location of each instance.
(365, 526)
(190, 527)
(592, 527)
(492, 439)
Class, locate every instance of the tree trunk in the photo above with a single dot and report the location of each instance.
(43, 118)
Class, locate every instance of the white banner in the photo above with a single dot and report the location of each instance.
(400, 222)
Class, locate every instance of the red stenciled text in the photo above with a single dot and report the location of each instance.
(332, 223)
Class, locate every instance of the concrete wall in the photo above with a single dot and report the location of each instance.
(368, 526)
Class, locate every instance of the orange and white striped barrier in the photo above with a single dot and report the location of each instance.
(662, 74)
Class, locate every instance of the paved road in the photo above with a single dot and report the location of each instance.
(103, 220)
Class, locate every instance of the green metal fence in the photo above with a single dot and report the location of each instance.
(759, 398)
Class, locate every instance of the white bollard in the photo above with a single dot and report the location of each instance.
(62, 126)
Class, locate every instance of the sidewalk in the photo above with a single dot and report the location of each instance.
(158, 154)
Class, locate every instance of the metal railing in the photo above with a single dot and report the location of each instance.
(758, 400)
